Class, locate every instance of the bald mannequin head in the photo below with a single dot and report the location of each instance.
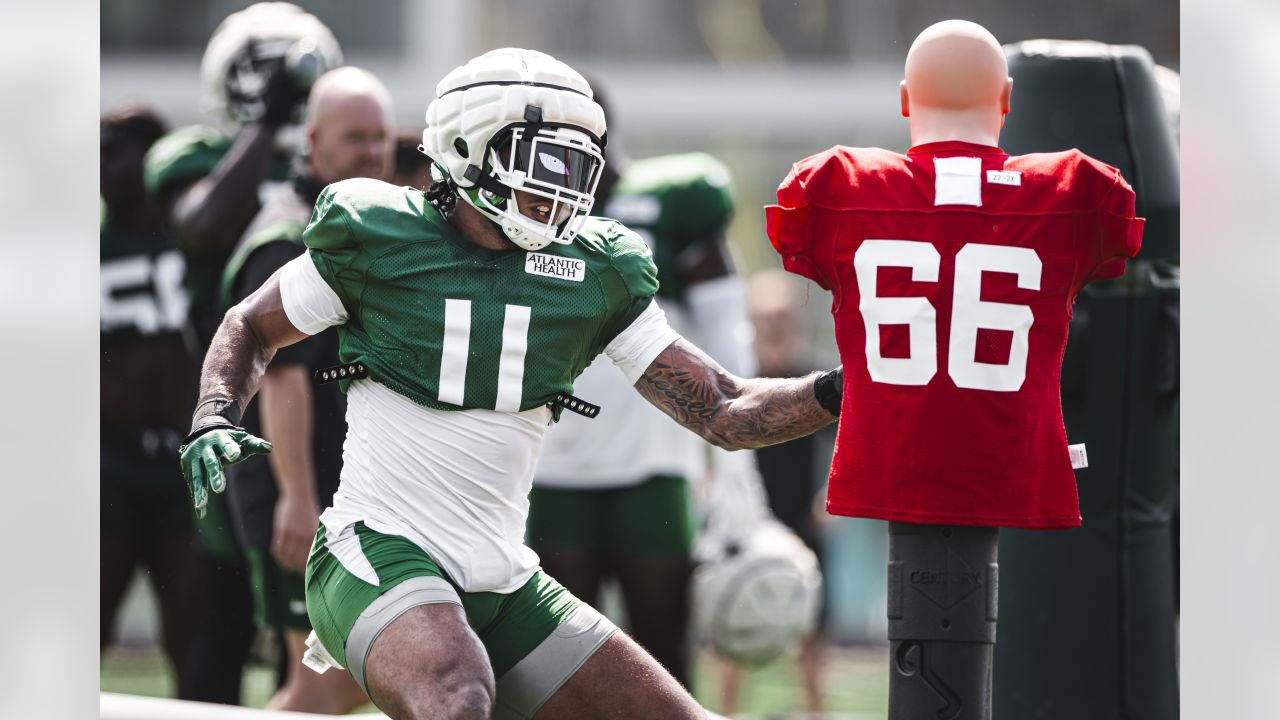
(349, 115)
(957, 84)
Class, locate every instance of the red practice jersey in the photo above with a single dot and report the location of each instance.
(953, 270)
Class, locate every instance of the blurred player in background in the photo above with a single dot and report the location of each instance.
(276, 501)
(611, 494)
(413, 169)
(465, 314)
(146, 377)
(255, 74)
(793, 473)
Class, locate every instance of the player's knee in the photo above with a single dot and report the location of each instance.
(470, 699)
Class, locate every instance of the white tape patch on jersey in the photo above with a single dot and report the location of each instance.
(957, 181)
(555, 266)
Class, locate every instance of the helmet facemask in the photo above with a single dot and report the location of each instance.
(555, 169)
(248, 74)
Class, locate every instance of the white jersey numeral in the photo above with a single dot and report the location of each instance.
(917, 313)
(968, 313)
(143, 292)
(457, 347)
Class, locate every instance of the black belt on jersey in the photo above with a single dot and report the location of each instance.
(350, 371)
(578, 405)
(357, 370)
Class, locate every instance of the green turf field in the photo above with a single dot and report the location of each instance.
(857, 683)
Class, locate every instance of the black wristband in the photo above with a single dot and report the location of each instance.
(828, 388)
(212, 414)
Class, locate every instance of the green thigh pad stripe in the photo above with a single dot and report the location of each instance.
(336, 597)
(533, 680)
(511, 626)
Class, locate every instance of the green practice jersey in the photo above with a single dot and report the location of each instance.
(189, 153)
(453, 325)
(673, 202)
(175, 161)
(141, 276)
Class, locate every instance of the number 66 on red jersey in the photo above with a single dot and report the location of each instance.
(953, 270)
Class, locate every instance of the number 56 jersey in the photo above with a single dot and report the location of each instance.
(953, 270)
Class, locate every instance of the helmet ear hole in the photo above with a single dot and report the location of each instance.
(460, 146)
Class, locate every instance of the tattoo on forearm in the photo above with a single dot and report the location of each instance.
(726, 410)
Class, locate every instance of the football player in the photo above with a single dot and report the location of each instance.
(146, 372)
(276, 504)
(611, 495)
(953, 270)
(464, 315)
(255, 74)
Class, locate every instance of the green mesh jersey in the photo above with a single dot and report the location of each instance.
(673, 202)
(176, 160)
(453, 325)
(189, 153)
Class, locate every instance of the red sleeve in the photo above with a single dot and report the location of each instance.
(1119, 235)
(790, 228)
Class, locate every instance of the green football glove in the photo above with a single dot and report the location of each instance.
(215, 441)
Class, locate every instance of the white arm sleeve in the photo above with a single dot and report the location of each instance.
(636, 347)
(720, 324)
(308, 300)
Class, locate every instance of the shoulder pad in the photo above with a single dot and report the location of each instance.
(834, 177)
(362, 211)
(1091, 181)
(184, 155)
(625, 252)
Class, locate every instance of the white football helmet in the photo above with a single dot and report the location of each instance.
(759, 597)
(237, 61)
(514, 119)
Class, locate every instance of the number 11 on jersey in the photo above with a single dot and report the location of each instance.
(457, 347)
(969, 313)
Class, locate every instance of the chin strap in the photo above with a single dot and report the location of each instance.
(486, 182)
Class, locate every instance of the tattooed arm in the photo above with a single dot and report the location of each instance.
(729, 411)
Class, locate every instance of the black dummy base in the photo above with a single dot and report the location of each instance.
(942, 621)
